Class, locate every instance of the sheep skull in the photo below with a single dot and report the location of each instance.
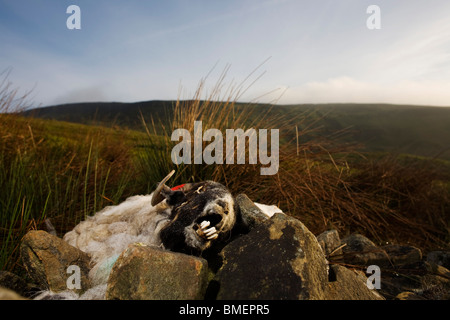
(201, 213)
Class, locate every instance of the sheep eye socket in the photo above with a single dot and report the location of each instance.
(222, 204)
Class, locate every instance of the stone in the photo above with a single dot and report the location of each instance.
(280, 259)
(47, 259)
(360, 251)
(438, 270)
(150, 273)
(408, 295)
(7, 294)
(401, 255)
(329, 241)
(13, 282)
(349, 285)
(439, 257)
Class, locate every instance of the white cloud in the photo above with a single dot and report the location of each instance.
(349, 90)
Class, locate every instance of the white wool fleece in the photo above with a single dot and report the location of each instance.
(108, 233)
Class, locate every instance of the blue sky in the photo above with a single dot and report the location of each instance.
(320, 51)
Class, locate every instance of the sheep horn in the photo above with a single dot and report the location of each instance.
(157, 196)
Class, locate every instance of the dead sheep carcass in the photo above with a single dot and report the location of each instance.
(193, 218)
(189, 218)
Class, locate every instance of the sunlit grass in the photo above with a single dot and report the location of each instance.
(59, 171)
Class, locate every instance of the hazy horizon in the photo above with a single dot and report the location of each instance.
(314, 52)
(336, 104)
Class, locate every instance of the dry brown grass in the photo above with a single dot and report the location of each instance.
(323, 183)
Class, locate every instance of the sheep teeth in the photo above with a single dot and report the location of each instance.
(205, 224)
(210, 231)
(209, 234)
(214, 236)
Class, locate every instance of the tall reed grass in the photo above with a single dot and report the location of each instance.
(49, 171)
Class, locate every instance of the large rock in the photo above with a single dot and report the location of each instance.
(278, 259)
(47, 260)
(150, 273)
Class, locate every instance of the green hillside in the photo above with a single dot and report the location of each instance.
(423, 131)
(417, 130)
(127, 115)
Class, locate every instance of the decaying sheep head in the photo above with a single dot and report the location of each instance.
(202, 214)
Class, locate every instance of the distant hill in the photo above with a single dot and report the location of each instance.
(127, 115)
(417, 130)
